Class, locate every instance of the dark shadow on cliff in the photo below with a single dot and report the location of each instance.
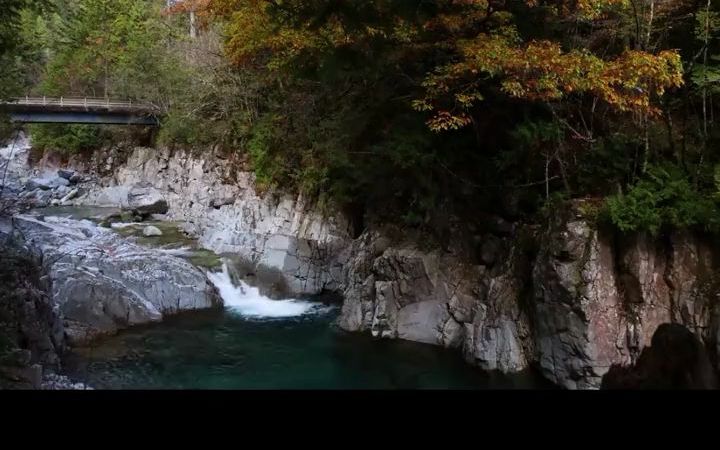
(676, 359)
(29, 334)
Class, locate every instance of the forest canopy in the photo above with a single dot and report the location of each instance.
(414, 111)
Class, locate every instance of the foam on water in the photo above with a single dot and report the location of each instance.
(247, 300)
(120, 225)
(182, 251)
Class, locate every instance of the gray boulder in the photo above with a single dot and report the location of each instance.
(146, 200)
(46, 183)
(151, 231)
(102, 283)
(32, 193)
(66, 174)
(43, 197)
(34, 184)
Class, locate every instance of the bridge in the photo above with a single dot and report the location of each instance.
(78, 110)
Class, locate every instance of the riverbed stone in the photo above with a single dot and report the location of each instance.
(146, 200)
(34, 184)
(43, 197)
(46, 183)
(152, 230)
(102, 283)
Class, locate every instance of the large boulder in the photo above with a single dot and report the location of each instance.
(142, 198)
(46, 183)
(102, 283)
(146, 200)
(677, 359)
(61, 191)
(423, 296)
(70, 175)
(113, 196)
(43, 198)
(152, 230)
(66, 174)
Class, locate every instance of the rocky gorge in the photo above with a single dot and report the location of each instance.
(567, 297)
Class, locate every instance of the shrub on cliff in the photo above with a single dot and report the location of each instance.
(66, 139)
(663, 197)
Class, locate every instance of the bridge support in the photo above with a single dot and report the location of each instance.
(82, 117)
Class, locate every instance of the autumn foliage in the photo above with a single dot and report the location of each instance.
(423, 111)
(480, 36)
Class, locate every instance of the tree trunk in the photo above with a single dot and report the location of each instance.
(193, 28)
(651, 18)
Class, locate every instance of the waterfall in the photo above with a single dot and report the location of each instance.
(247, 301)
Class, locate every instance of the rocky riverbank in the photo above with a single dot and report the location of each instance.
(278, 234)
(565, 296)
(570, 298)
(66, 282)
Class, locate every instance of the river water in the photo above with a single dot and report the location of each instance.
(259, 343)
(226, 350)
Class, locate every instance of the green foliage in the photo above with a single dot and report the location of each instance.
(14, 56)
(269, 166)
(67, 139)
(177, 129)
(663, 198)
(707, 75)
(113, 48)
(319, 97)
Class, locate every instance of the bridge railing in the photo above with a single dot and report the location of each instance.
(77, 101)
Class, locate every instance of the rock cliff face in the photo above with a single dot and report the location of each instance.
(31, 330)
(581, 302)
(437, 299)
(223, 209)
(566, 297)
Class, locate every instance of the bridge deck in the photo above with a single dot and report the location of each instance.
(72, 103)
(79, 110)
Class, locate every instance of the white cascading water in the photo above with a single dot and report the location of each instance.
(247, 300)
(182, 251)
(121, 225)
(13, 160)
